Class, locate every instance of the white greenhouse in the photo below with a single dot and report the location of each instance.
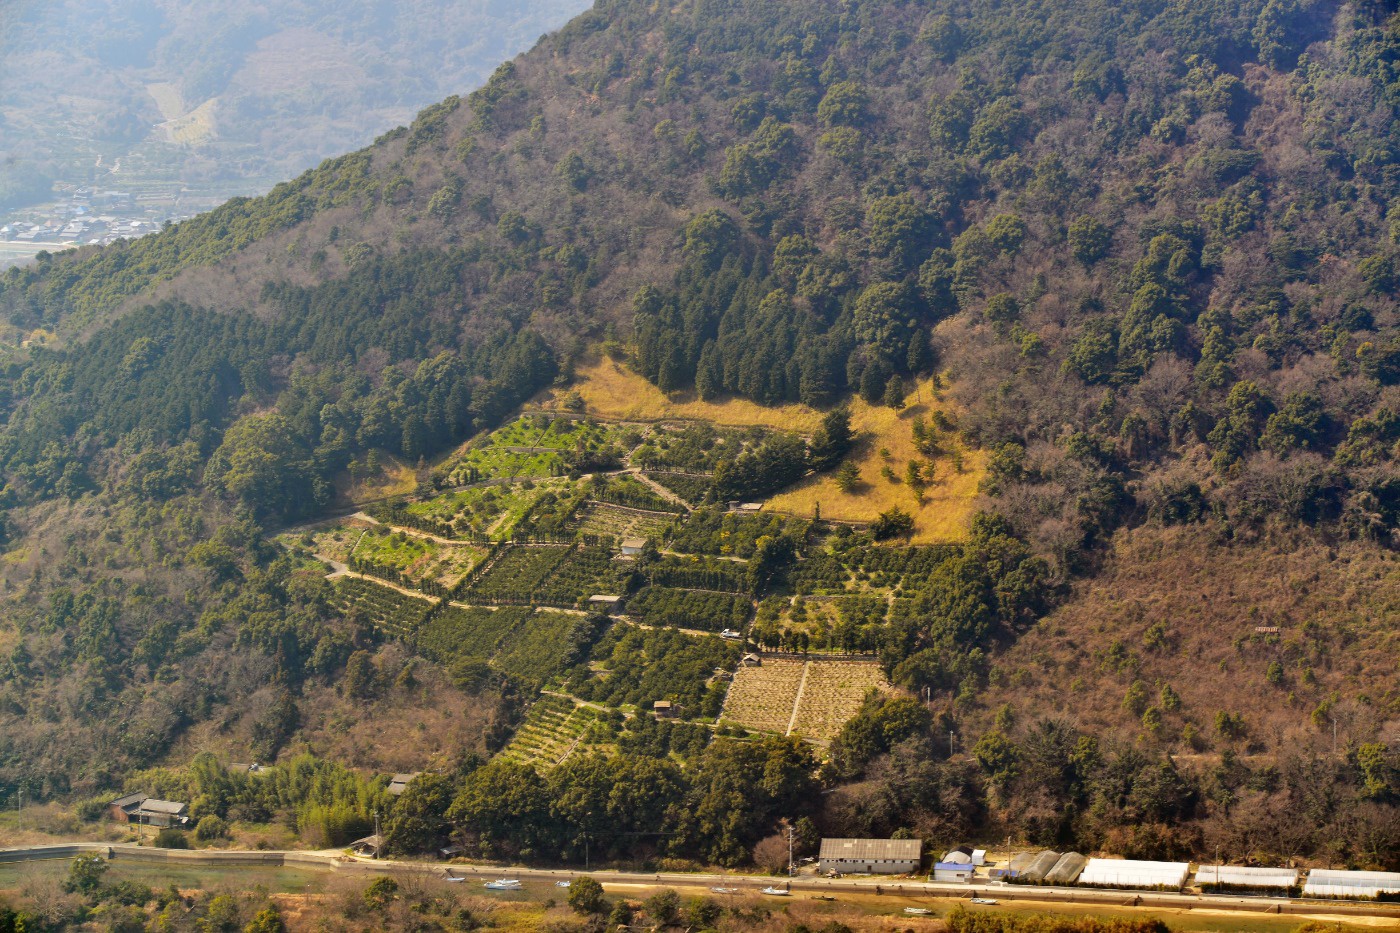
(1127, 873)
(1240, 878)
(1326, 882)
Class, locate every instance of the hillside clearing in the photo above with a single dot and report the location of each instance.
(610, 390)
(940, 514)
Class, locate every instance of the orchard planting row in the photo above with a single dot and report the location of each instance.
(707, 611)
(585, 572)
(516, 575)
(555, 728)
(713, 530)
(639, 667)
(692, 487)
(381, 606)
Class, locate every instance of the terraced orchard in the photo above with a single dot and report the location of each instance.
(554, 729)
(386, 608)
(812, 699)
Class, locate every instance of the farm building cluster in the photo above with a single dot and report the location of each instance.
(967, 865)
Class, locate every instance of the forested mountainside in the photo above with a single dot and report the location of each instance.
(228, 97)
(1144, 253)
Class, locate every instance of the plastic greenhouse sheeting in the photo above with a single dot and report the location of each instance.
(1037, 870)
(1238, 876)
(1127, 873)
(1326, 882)
(1067, 869)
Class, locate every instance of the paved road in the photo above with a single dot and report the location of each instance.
(902, 893)
(750, 884)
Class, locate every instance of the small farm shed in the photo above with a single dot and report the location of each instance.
(399, 782)
(871, 856)
(953, 872)
(369, 845)
(1327, 882)
(147, 811)
(1244, 880)
(121, 809)
(663, 709)
(1129, 873)
(632, 547)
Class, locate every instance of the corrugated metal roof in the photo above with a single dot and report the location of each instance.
(128, 800)
(1245, 876)
(151, 805)
(873, 850)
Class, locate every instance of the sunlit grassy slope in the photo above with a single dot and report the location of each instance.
(945, 508)
(611, 390)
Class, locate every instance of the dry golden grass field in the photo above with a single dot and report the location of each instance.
(610, 390)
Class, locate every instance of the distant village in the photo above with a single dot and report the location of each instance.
(87, 216)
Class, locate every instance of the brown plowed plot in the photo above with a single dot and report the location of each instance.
(833, 694)
(763, 697)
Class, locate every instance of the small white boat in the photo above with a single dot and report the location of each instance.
(724, 890)
(562, 884)
(448, 876)
(504, 884)
(822, 897)
(984, 900)
(918, 911)
(775, 892)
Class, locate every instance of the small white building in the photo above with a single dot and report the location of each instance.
(632, 547)
(953, 872)
(871, 856)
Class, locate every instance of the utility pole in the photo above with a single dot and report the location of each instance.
(950, 743)
(789, 850)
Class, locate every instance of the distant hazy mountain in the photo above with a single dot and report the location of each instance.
(226, 97)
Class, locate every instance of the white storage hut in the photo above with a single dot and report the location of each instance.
(956, 872)
(1327, 882)
(1129, 873)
